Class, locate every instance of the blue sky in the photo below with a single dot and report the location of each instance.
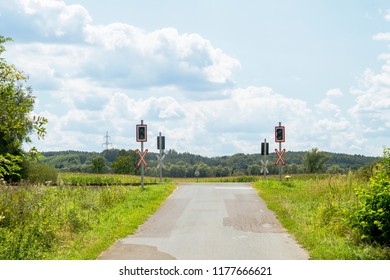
(214, 77)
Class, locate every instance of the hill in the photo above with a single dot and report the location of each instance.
(185, 164)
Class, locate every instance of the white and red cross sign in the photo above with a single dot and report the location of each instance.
(142, 158)
(280, 154)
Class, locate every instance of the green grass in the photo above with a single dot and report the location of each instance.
(72, 222)
(82, 220)
(84, 179)
(314, 210)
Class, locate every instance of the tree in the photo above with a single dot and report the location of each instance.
(98, 164)
(334, 169)
(314, 161)
(125, 163)
(386, 161)
(254, 169)
(16, 123)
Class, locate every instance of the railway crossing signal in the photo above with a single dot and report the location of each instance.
(265, 153)
(141, 132)
(160, 142)
(142, 156)
(264, 148)
(264, 167)
(280, 134)
(280, 159)
(160, 158)
(160, 161)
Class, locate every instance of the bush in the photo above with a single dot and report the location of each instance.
(40, 173)
(371, 217)
(67, 222)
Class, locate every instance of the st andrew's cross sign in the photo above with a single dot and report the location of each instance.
(142, 158)
(280, 154)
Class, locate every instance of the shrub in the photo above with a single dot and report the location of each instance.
(40, 173)
(371, 216)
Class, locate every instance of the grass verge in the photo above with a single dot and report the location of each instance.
(72, 222)
(314, 211)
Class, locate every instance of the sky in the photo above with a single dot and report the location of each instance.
(214, 77)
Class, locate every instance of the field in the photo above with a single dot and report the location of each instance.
(84, 214)
(72, 222)
(316, 211)
(84, 179)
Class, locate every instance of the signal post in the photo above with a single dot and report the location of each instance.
(142, 136)
(265, 153)
(280, 136)
(160, 158)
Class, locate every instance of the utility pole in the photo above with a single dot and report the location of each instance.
(264, 152)
(160, 158)
(280, 164)
(142, 136)
(106, 139)
(280, 136)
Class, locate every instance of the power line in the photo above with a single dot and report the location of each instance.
(106, 141)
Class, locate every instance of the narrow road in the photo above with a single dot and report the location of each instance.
(226, 221)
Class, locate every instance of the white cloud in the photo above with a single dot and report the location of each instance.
(382, 36)
(372, 103)
(115, 55)
(332, 125)
(336, 92)
(46, 20)
(387, 16)
(239, 122)
(327, 107)
(161, 57)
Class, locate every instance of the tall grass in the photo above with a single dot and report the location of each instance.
(84, 179)
(315, 212)
(41, 222)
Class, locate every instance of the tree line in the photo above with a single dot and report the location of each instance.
(185, 164)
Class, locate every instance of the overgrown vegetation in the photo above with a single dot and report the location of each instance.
(39, 173)
(84, 179)
(66, 222)
(85, 213)
(335, 216)
(370, 217)
(16, 125)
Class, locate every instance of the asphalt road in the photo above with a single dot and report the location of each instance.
(226, 221)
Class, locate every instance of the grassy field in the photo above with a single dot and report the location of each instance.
(316, 210)
(72, 222)
(84, 214)
(84, 179)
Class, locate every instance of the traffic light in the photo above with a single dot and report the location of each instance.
(280, 135)
(161, 139)
(265, 149)
(141, 133)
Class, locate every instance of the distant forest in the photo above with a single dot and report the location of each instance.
(186, 164)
